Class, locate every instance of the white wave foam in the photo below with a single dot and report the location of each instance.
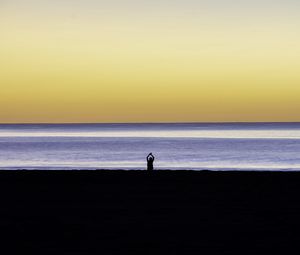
(232, 134)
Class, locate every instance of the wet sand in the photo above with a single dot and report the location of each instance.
(135, 212)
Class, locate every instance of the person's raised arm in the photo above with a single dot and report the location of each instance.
(150, 156)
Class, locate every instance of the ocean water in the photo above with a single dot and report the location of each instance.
(189, 146)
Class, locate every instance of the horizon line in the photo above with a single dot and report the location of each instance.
(189, 122)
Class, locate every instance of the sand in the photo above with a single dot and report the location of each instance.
(135, 212)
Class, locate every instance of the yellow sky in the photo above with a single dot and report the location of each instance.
(128, 61)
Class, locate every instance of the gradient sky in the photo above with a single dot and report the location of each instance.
(149, 61)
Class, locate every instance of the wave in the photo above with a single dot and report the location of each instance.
(222, 134)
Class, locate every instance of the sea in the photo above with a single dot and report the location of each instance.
(176, 146)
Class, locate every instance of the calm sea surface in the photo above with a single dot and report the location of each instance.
(218, 146)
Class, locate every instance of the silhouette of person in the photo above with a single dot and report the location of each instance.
(150, 160)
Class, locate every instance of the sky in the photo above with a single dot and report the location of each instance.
(64, 61)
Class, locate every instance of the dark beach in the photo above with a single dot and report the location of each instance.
(136, 212)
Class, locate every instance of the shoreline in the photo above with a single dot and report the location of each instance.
(157, 170)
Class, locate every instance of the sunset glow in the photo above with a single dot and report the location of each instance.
(149, 61)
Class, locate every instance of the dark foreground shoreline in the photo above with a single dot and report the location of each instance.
(135, 212)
